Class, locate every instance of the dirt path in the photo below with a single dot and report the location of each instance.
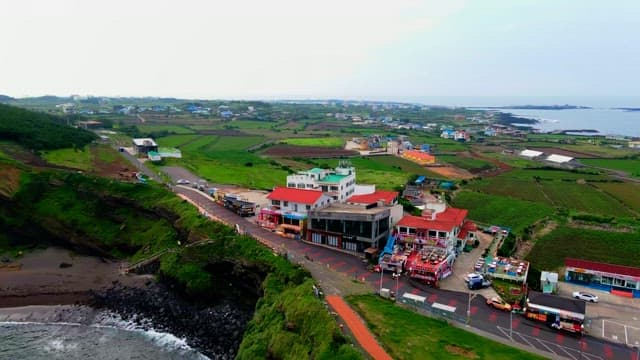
(358, 328)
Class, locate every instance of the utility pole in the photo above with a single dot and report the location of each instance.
(397, 285)
(637, 350)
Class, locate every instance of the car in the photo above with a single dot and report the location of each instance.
(475, 284)
(581, 295)
(498, 304)
(182, 181)
(470, 276)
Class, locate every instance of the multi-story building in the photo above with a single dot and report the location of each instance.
(287, 212)
(361, 223)
(426, 246)
(339, 183)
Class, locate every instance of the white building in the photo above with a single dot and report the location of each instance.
(298, 201)
(339, 184)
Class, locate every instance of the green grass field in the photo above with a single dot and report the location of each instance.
(176, 140)
(176, 129)
(464, 162)
(500, 210)
(324, 141)
(627, 193)
(74, 158)
(224, 160)
(408, 335)
(630, 166)
(603, 246)
(583, 197)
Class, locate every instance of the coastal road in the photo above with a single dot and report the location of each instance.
(510, 328)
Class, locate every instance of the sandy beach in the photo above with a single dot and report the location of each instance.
(38, 279)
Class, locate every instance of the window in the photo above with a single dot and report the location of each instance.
(412, 231)
(286, 203)
(618, 282)
(606, 280)
(631, 284)
(308, 207)
(291, 185)
(301, 186)
(275, 202)
(442, 234)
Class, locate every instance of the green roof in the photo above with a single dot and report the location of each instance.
(333, 178)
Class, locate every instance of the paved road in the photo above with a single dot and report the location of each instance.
(520, 330)
(482, 317)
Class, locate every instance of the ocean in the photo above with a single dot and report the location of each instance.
(105, 337)
(603, 115)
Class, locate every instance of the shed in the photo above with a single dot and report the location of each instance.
(559, 159)
(549, 282)
(530, 153)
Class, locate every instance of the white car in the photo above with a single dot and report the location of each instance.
(470, 276)
(182, 182)
(585, 296)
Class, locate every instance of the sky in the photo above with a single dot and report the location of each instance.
(358, 49)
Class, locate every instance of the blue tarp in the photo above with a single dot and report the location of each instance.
(420, 180)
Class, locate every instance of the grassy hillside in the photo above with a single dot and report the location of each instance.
(40, 131)
(135, 220)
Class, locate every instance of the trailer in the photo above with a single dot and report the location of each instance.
(239, 206)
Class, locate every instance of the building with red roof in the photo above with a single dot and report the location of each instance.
(387, 197)
(616, 279)
(431, 242)
(287, 213)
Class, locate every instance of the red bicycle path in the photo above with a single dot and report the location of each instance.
(357, 328)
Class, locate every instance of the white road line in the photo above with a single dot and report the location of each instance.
(525, 339)
(626, 338)
(568, 353)
(603, 328)
(543, 344)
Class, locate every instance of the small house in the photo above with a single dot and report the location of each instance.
(144, 145)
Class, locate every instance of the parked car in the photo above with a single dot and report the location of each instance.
(585, 296)
(475, 284)
(182, 181)
(470, 276)
(499, 304)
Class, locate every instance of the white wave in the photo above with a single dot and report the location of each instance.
(162, 339)
(59, 346)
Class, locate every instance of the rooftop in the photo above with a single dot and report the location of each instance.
(387, 196)
(557, 302)
(559, 158)
(333, 178)
(144, 142)
(316, 171)
(603, 267)
(350, 209)
(530, 153)
(300, 196)
(444, 221)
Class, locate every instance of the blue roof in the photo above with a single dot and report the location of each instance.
(420, 180)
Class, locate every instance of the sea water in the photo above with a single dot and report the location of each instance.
(110, 338)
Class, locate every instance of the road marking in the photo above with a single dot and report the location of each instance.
(608, 351)
(433, 298)
(515, 323)
(453, 302)
(536, 331)
(560, 339)
(415, 291)
(474, 310)
(525, 339)
(562, 348)
(493, 317)
(548, 348)
(626, 337)
(341, 263)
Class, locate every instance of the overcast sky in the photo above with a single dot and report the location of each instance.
(318, 49)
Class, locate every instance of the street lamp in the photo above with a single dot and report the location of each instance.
(637, 350)
(397, 285)
(381, 273)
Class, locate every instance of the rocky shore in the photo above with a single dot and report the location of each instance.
(214, 329)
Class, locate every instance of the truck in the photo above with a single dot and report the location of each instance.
(239, 206)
